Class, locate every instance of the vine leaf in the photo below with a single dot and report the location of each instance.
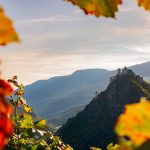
(41, 124)
(27, 108)
(6, 125)
(106, 8)
(94, 148)
(7, 32)
(144, 3)
(27, 122)
(134, 122)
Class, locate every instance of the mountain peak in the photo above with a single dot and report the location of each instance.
(126, 72)
(94, 125)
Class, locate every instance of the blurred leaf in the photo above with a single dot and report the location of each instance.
(135, 122)
(27, 133)
(145, 146)
(34, 147)
(144, 3)
(94, 148)
(7, 32)
(111, 146)
(68, 148)
(41, 124)
(27, 108)
(106, 8)
(27, 122)
(126, 145)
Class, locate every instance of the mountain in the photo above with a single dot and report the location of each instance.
(52, 98)
(60, 98)
(94, 125)
(142, 69)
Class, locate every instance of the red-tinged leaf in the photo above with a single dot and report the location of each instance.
(3, 139)
(106, 8)
(6, 125)
(5, 88)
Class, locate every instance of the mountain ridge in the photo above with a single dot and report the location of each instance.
(53, 97)
(94, 125)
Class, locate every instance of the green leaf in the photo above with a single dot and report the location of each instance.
(27, 122)
(34, 147)
(27, 133)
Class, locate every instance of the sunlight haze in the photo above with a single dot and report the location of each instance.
(58, 39)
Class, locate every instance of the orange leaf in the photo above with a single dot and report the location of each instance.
(7, 32)
(144, 3)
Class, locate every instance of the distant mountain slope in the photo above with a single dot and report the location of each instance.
(94, 125)
(55, 97)
(142, 69)
(59, 94)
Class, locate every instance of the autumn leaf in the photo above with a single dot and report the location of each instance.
(106, 8)
(41, 124)
(5, 88)
(6, 125)
(7, 32)
(111, 146)
(135, 122)
(94, 148)
(27, 108)
(27, 122)
(144, 3)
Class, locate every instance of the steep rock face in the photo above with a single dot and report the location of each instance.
(94, 125)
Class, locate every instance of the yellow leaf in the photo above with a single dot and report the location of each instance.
(144, 3)
(94, 148)
(27, 108)
(26, 122)
(7, 32)
(41, 124)
(98, 8)
(135, 122)
(68, 148)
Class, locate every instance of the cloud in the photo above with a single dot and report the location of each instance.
(57, 18)
(62, 42)
(77, 11)
(145, 49)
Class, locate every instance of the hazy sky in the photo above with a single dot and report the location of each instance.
(57, 39)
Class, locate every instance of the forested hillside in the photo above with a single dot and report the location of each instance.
(94, 125)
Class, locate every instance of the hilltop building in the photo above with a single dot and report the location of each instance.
(125, 71)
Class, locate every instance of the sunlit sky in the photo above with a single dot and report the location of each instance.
(57, 39)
